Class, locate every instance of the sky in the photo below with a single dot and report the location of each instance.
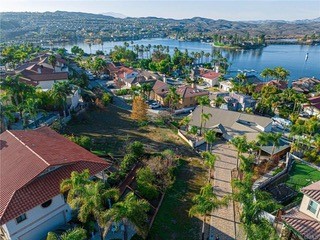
(177, 9)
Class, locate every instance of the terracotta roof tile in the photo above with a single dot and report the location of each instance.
(25, 155)
(308, 227)
(313, 191)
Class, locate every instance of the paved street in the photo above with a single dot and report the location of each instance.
(224, 221)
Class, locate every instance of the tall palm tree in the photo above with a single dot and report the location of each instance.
(131, 210)
(172, 98)
(263, 140)
(204, 118)
(60, 91)
(242, 146)
(274, 138)
(205, 203)
(88, 197)
(210, 137)
(203, 101)
(209, 161)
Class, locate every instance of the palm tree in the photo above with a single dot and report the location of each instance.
(241, 144)
(30, 109)
(131, 210)
(209, 161)
(267, 73)
(72, 234)
(172, 98)
(263, 140)
(274, 138)
(185, 121)
(205, 203)
(203, 101)
(204, 118)
(219, 101)
(88, 197)
(210, 138)
(53, 61)
(242, 77)
(60, 91)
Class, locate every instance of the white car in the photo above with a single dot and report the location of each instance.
(154, 105)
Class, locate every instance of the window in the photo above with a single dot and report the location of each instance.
(312, 207)
(21, 218)
(46, 204)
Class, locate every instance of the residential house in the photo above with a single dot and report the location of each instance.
(226, 86)
(189, 95)
(233, 101)
(239, 102)
(305, 85)
(33, 164)
(159, 91)
(210, 76)
(303, 222)
(39, 72)
(313, 107)
(230, 124)
(280, 84)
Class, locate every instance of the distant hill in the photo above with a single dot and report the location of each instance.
(76, 26)
(113, 14)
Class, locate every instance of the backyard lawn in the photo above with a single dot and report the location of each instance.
(302, 175)
(112, 129)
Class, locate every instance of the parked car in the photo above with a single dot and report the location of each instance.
(154, 105)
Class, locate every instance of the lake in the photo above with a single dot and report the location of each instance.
(291, 57)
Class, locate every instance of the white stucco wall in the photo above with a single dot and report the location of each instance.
(265, 129)
(73, 100)
(39, 221)
(304, 208)
(48, 84)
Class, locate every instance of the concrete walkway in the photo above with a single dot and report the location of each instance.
(225, 222)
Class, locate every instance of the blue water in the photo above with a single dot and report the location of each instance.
(291, 57)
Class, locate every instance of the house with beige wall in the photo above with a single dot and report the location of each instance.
(303, 222)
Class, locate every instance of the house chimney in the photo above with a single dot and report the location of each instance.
(164, 78)
(193, 85)
(125, 75)
(216, 68)
(39, 70)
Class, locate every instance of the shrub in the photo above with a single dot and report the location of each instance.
(122, 92)
(136, 148)
(106, 99)
(127, 162)
(145, 183)
(82, 141)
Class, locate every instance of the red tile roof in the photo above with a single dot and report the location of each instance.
(314, 99)
(25, 155)
(210, 74)
(308, 227)
(312, 191)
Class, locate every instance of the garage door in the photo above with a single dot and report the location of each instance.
(40, 232)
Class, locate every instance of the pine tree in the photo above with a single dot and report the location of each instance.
(139, 109)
